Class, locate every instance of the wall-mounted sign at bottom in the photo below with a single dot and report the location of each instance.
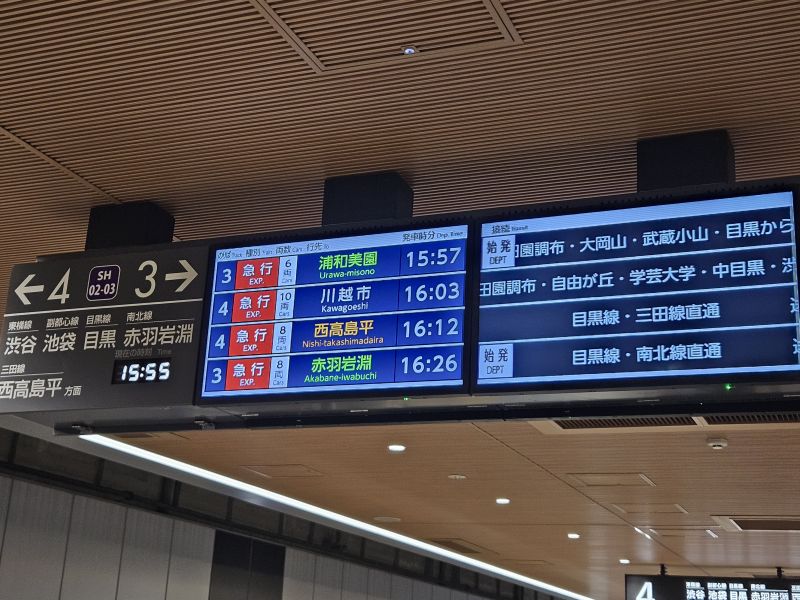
(667, 587)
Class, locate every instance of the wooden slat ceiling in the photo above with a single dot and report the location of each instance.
(342, 34)
(354, 474)
(230, 113)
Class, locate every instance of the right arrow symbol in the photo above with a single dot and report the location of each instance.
(23, 289)
(187, 275)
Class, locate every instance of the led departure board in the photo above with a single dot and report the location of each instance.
(369, 312)
(691, 288)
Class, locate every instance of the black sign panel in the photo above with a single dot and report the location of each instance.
(643, 587)
(103, 331)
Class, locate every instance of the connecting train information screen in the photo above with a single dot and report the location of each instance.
(692, 288)
(668, 587)
(369, 312)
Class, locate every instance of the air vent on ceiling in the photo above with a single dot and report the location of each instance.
(612, 479)
(689, 532)
(634, 425)
(274, 471)
(529, 562)
(758, 522)
(753, 419)
(617, 422)
(457, 545)
(650, 509)
(767, 524)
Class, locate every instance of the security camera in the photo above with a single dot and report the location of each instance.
(717, 443)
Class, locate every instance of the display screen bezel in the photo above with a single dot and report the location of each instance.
(714, 382)
(648, 396)
(328, 398)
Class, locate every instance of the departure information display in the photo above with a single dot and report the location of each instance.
(691, 288)
(368, 312)
(667, 587)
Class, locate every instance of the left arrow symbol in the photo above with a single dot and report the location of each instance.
(187, 275)
(23, 289)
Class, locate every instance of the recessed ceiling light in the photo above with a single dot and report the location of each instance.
(624, 561)
(396, 448)
(457, 476)
(387, 519)
(409, 50)
(712, 534)
(503, 501)
(574, 536)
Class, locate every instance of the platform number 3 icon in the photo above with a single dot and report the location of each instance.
(646, 593)
(150, 278)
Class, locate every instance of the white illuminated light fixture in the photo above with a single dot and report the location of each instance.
(367, 528)
(396, 448)
(624, 561)
(712, 533)
(645, 534)
(574, 536)
(503, 501)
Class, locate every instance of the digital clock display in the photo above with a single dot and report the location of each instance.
(141, 371)
(370, 312)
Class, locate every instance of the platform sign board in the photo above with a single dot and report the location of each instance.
(376, 312)
(103, 331)
(664, 587)
(653, 293)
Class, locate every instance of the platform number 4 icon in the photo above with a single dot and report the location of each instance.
(646, 593)
(61, 291)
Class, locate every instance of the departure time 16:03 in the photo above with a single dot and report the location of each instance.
(437, 291)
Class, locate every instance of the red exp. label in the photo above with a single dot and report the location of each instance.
(248, 374)
(251, 339)
(257, 273)
(254, 306)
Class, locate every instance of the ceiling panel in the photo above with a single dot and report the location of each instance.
(360, 478)
(364, 33)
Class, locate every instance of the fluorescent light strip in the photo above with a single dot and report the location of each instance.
(293, 503)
